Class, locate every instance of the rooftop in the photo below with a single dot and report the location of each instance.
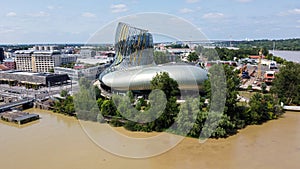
(17, 72)
(3, 67)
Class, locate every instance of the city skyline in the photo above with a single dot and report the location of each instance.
(57, 21)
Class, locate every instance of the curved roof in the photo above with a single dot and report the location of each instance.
(188, 77)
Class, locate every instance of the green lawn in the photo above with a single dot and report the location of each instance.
(247, 94)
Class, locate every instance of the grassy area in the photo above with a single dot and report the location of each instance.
(247, 94)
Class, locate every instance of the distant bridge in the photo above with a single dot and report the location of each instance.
(8, 106)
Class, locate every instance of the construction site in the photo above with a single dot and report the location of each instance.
(258, 73)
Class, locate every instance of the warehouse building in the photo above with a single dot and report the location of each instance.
(39, 79)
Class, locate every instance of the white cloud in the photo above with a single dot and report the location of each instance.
(295, 11)
(213, 16)
(118, 8)
(50, 7)
(39, 14)
(11, 14)
(298, 21)
(88, 15)
(191, 1)
(186, 10)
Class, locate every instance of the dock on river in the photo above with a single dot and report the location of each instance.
(18, 117)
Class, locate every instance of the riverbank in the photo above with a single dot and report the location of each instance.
(58, 141)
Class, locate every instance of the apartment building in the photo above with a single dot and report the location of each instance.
(41, 59)
(23, 60)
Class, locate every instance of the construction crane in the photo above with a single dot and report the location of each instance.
(259, 64)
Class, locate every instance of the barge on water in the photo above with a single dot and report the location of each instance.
(19, 117)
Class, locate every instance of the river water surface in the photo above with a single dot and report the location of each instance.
(293, 56)
(59, 142)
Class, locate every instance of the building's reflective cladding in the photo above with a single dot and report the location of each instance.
(134, 66)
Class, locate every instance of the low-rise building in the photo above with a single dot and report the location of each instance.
(10, 63)
(68, 58)
(87, 53)
(90, 73)
(39, 79)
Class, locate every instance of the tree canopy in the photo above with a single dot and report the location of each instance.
(193, 57)
(287, 84)
(165, 83)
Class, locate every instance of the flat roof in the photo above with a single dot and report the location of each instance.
(17, 72)
(24, 117)
(93, 61)
(24, 73)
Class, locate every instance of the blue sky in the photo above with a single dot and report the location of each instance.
(66, 21)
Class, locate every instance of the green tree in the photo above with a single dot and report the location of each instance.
(262, 109)
(63, 93)
(140, 103)
(264, 88)
(108, 108)
(287, 84)
(231, 87)
(97, 92)
(189, 111)
(193, 57)
(69, 106)
(164, 82)
(169, 86)
(85, 102)
(99, 103)
(130, 95)
(65, 106)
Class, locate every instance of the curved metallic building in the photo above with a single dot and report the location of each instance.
(134, 66)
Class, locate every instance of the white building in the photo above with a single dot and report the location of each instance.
(23, 60)
(68, 58)
(87, 53)
(90, 73)
(41, 59)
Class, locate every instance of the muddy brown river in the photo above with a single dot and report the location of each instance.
(59, 142)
